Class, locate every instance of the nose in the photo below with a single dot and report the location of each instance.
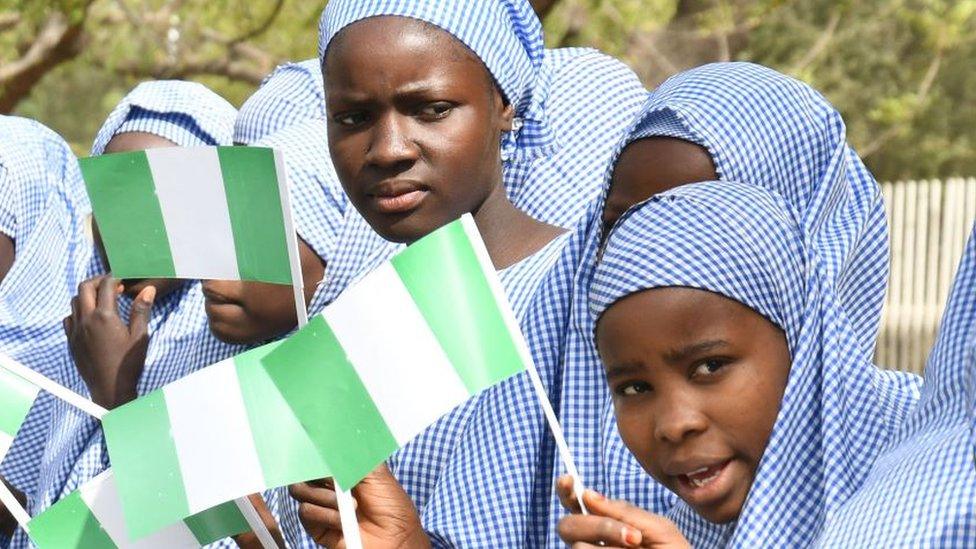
(391, 145)
(678, 418)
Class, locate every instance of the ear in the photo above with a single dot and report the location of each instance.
(507, 118)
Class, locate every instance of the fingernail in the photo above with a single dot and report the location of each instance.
(631, 536)
(596, 495)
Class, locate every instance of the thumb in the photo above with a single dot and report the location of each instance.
(141, 308)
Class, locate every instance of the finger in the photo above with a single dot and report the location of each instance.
(107, 293)
(598, 530)
(582, 545)
(267, 518)
(85, 301)
(652, 525)
(564, 489)
(67, 326)
(141, 309)
(304, 492)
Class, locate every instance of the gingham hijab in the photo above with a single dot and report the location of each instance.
(180, 339)
(44, 210)
(838, 411)
(763, 129)
(291, 94)
(922, 490)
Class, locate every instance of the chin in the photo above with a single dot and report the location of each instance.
(720, 515)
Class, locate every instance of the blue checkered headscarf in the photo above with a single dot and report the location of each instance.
(922, 490)
(44, 211)
(505, 34)
(838, 411)
(292, 93)
(761, 128)
(187, 114)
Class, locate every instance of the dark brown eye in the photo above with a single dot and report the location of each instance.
(708, 367)
(436, 110)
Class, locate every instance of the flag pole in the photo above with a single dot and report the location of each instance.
(347, 508)
(523, 349)
(14, 507)
(49, 385)
(257, 525)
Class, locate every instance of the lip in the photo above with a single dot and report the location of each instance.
(719, 483)
(396, 196)
(214, 298)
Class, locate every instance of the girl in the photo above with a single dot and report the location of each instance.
(164, 113)
(735, 375)
(727, 121)
(43, 253)
(453, 118)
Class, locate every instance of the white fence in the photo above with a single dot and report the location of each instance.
(929, 222)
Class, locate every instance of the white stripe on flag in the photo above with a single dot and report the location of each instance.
(406, 371)
(215, 420)
(102, 497)
(190, 187)
(6, 441)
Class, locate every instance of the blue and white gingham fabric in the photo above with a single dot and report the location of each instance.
(838, 411)
(748, 113)
(292, 93)
(187, 114)
(44, 211)
(922, 490)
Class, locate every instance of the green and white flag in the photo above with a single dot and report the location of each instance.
(194, 212)
(405, 345)
(17, 395)
(91, 518)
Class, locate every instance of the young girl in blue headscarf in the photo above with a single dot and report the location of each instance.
(735, 373)
(166, 317)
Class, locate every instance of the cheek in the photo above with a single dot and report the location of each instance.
(635, 426)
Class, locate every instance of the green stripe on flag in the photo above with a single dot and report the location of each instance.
(129, 218)
(286, 453)
(459, 306)
(329, 399)
(16, 398)
(253, 199)
(132, 432)
(217, 523)
(69, 523)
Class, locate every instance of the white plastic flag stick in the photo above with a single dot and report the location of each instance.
(347, 509)
(257, 525)
(14, 507)
(49, 385)
(540, 390)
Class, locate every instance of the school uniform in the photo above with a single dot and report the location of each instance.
(292, 93)
(838, 410)
(760, 128)
(187, 114)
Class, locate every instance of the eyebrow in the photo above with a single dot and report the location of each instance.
(676, 356)
(621, 369)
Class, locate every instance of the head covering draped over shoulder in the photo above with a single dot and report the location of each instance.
(838, 411)
(505, 34)
(922, 490)
(43, 209)
(186, 113)
(292, 93)
(762, 129)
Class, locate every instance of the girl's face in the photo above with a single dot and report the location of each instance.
(415, 124)
(697, 380)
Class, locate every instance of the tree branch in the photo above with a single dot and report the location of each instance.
(57, 42)
(820, 45)
(8, 21)
(263, 27)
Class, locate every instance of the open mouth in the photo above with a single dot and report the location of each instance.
(699, 478)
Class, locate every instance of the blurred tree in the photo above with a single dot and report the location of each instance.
(899, 70)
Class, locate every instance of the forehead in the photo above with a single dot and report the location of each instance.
(372, 50)
(136, 141)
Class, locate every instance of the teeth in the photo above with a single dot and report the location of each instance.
(697, 471)
(698, 483)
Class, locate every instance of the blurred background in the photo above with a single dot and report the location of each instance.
(901, 72)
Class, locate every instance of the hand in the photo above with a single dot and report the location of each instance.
(109, 355)
(386, 515)
(249, 540)
(613, 523)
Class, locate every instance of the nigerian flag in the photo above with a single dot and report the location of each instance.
(17, 395)
(91, 518)
(399, 349)
(194, 212)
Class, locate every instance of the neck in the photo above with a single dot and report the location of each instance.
(510, 234)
